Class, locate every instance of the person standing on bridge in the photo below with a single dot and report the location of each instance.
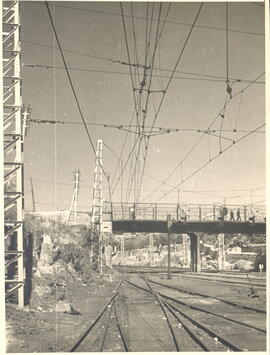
(132, 212)
(183, 215)
(238, 215)
(232, 216)
(252, 216)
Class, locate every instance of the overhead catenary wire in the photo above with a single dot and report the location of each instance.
(154, 19)
(139, 102)
(154, 178)
(128, 55)
(210, 161)
(261, 3)
(120, 126)
(239, 110)
(145, 109)
(227, 43)
(150, 126)
(203, 133)
(135, 42)
(74, 92)
(169, 82)
(201, 77)
(140, 130)
(118, 61)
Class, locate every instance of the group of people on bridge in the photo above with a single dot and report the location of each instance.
(183, 214)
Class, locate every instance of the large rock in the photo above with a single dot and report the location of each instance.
(64, 307)
(46, 253)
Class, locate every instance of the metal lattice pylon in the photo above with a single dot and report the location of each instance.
(97, 207)
(72, 215)
(13, 152)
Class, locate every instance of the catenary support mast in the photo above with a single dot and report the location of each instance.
(97, 207)
(74, 201)
(13, 153)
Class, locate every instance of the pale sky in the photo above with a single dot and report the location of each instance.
(53, 152)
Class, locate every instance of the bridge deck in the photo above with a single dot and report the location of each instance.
(209, 227)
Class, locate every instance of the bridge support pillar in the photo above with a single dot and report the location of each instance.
(221, 252)
(185, 250)
(195, 255)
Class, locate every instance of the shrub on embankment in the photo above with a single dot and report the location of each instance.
(56, 255)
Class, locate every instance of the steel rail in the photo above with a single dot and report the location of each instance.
(88, 330)
(223, 281)
(101, 346)
(211, 313)
(176, 270)
(190, 292)
(189, 332)
(153, 271)
(119, 327)
(209, 331)
(165, 313)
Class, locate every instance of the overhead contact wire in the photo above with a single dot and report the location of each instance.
(169, 81)
(74, 92)
(209, 161)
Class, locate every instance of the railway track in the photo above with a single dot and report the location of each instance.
(107, 309)
(230, 279)
(219, 280)
(196, 293)
(185, 329)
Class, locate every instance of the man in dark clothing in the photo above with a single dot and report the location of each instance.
(238, 216)
(225, 212)
(232, 216)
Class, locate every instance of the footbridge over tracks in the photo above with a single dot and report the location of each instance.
(191, 218)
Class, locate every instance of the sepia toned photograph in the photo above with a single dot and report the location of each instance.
(134, 176)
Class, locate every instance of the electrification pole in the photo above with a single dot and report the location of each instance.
(74, 200)
(13, 152)
(97, 209)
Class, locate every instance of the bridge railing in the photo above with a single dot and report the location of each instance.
(184, 212)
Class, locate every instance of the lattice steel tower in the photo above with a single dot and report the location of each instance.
(13, 152)
(72, 214)
(97, 207)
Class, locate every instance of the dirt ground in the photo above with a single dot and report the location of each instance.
(143, 322)
(33, 331)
